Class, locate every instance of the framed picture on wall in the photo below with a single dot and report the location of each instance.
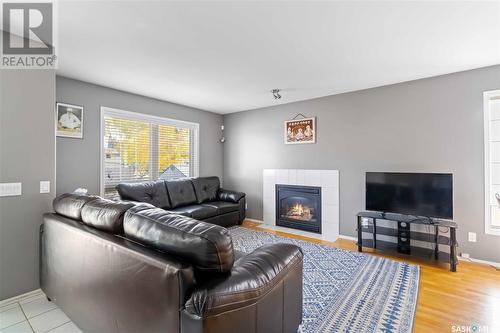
(69, 121)
(299, 131)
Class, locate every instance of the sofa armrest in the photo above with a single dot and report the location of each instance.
(231, 196)
(112, 277)
(252, 278)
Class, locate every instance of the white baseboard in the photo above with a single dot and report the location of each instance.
(254, 220)
(19, 297)
(479, 261)
(348, 238)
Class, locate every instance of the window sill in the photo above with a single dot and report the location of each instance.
(490, 231)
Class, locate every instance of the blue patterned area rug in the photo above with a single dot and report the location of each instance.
(346, 291)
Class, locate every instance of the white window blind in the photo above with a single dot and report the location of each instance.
(492, 161)
(137, 147)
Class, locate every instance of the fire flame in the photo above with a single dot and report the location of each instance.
(298, 211)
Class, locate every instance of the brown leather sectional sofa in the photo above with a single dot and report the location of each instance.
(128, 267)
(201, 198)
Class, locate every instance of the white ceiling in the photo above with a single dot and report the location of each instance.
(227, 56)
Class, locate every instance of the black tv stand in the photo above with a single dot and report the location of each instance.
(404, 234)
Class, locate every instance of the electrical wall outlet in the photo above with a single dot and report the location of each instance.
(246, 206)
(465, 255)
(472, 237)
(44, 186)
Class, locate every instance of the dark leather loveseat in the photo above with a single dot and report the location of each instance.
(127, 267)
(200, 198)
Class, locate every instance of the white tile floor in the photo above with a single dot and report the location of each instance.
(34, 313)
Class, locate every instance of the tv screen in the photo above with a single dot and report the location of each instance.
(420, 194)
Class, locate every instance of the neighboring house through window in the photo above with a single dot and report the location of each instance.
(137, 147)
(492, 161)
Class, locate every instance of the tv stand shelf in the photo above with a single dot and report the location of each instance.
(404, 234)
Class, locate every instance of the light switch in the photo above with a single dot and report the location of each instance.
(10, 189)
(44, 186)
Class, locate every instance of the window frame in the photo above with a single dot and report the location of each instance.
(129, 115)
(487, 97)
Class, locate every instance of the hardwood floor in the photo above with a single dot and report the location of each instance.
(467, 297)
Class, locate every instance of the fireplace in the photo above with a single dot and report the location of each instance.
(298, 207)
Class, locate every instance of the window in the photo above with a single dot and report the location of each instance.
(492, 161)
(136, 147)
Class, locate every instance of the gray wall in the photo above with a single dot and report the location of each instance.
(27, 155)
(78, 161)
(428, 125)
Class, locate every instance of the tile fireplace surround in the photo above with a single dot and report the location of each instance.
(328, 180)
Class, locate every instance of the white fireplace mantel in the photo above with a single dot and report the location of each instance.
(328, 180)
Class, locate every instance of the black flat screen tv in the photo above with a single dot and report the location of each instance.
(419, 194)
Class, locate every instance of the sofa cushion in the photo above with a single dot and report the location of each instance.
(105, 214)
(154, 193)
(206, 188)
(181, 192)
(224, 220)
(208, 247)
(199, 212)
(70, 204)
(223, 207)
